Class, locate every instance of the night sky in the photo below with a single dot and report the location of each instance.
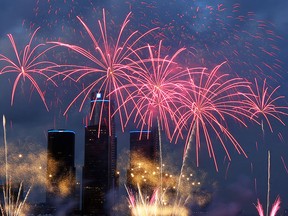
(240, 33)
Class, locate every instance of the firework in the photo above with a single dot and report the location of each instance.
(274, 210)
(157, 81)
(12, 205)
(152, 206)
(284, 164)
(109, 60)
(275, 207)
(145, 173)
(220, 32)
(259, 208)
(268, 181)
(28, 63)
(55, 14)
(25, 166)
(261, 103)
(209, 100)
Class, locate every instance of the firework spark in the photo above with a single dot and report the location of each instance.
(109, 59)
(157, 81)
(274, 210)
(284, 164)
(206, 104)
(152, 206)
(259, 208)
(261, 102)
(27, 64)
(221, 32)
(155, 87)
(12, 205)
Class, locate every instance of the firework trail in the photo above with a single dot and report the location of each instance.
(275, 207)
(259, 208)
(109, 60)
(141, 205)
(268, 182)
(28, 63)
(60, 14)
(12, 205)
(184, 163)
(284, 164)
(157, 81)
(137, 203)
(6, 149)
(156, 84)
(64, 9)
(276, 204)
(206, 103)
(274, 210)
(222, 32)
(261, 102)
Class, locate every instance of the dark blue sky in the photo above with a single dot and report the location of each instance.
(212, 33)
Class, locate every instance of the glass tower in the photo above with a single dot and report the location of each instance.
(99, 171)
(61, 172)
(144, 167)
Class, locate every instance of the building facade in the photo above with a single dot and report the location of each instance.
(100, 155)
(61, 172)
(144, 166)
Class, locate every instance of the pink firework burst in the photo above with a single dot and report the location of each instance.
(207, 103)
(262, 102)
(109, 60)
(259, 208)
(274, 210)
(28, 63)
(157, 81)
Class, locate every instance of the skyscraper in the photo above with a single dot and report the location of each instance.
(99, 171)
(145, 143)
(144, 167)
(61, 173)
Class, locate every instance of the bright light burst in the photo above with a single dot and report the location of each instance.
(142, 205)
(261, 102)
(206, 103)
(109, 60)
(157, 86)
(157, 81)
(274, 210)
(12, 204)
(28, 63)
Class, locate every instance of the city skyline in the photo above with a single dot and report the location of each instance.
(28, 120)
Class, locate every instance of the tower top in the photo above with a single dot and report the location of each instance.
(98, 96)
(60, 131)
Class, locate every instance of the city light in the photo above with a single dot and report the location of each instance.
(133, 79)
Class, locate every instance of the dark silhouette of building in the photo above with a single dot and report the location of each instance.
(145, 143)
(61, 172)
(99, 171)
(144, 169)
